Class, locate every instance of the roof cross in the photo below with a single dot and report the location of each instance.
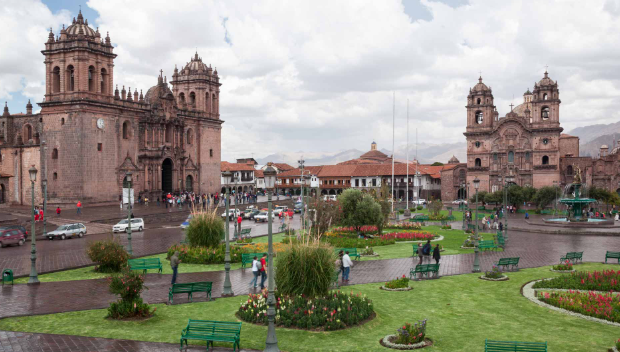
(511, 105)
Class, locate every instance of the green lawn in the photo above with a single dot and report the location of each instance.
(458, 215)
(461, 310)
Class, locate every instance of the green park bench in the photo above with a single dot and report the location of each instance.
(212, 331)
(501, 241)
(488, 244)
(145, 264)
(612, 255)
(451, 218)
(247, 258)
(573, 257)
(244, 232)
(419, 218)
(514, 346)
(7, 275)
(508, 262)
(352, 252)
(424, 270)
(189, 288)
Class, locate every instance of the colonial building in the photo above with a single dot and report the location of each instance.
(170, 139)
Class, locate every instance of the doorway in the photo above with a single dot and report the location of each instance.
(166, 176)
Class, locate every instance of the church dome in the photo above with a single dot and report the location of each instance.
(156, 92)
(80, 27)
(546, 81)
(196, 64)
(453, 160)
(480, 87)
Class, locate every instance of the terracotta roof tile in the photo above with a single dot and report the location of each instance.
(337, 170)
(259, 173)
(226, 166)
(283, 166)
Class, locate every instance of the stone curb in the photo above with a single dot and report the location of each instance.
(396, 289)
(386, 341)
(503, 278)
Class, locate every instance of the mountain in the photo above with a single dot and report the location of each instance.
(593, 147)
(311, 159)
(587, 134)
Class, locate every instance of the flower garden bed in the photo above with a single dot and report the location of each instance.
(396, 289)
(335, 311)
(409, 236)
(398, 284)
(595, 304)
(387, 342)
(501, 278)
(607, 280)
(563, 271)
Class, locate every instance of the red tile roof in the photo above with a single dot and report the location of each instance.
(259, 173)
(226, 166)
(308, 170)
(283, 166)
(337, 170)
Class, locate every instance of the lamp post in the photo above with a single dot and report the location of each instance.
(271, 344)
(227, 291)
(44, 184)
(476, 268)
(301, 182)
(129, 177)
(34, 279)
(508, 180)
(555, 204)
(236, 178)
(462, 208)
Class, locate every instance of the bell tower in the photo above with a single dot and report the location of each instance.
(546, 102)
(480, 109)
(197, 87)
(79, 64)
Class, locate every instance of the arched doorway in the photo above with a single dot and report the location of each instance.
(332, 192)
(323, 192)
(2, 195)
(223, 190)
(462, 194)
(166, 175)
(189, 183)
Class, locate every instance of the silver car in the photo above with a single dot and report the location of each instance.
(67, 230)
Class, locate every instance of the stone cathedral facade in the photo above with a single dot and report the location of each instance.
(169, 138)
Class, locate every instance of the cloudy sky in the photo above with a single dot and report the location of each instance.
(319, 76)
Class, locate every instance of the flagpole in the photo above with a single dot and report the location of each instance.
(393, 133)
(407, 191)
(417, 193)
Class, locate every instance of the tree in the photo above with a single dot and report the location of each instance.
(437, 163)
(359, 209)
(325, 214)
(495, 197)
(515, 196)
(384, 201)
(528, 193)
(544, 196)
(435, 207)
(481, 196)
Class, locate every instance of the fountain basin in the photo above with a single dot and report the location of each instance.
(564, 222)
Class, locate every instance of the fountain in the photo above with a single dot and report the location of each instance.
(576, 208)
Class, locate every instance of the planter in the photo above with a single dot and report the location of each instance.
(396, 289)
(563, 271)
(614, 349)
(503, 278)
(386, 342)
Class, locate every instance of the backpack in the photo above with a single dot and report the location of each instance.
(259, 265)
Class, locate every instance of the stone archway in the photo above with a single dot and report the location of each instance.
(223, 190)
(323, 192)
(189, 183)
(2, 194)
(332, 192)
(166, 175)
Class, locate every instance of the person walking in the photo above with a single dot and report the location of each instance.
(263, 272)
(239, 219)
(174, 263)
(41, 214)
(426, 250)
(146, 201)
(347, 264)
(255, 271)
(158, 201)
(436, 254)
(420, 253)
(79, 208)
(58, 211)
(338, 264)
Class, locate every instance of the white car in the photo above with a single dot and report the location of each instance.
(234, 213)
(459, 201)
(137, 224)
(419, 201)
(262, 217)
(331, 197)
(279, 209)
(67, 230)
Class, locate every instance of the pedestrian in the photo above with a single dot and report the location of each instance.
(79, 208)
(40, 214)
(239, 219)
(36, 214)
(174, 263)
(501, 226)
(420, 253)
(158, 201)
(57, 211)
(427, 250)
(527, 215)
(338, 264)
(347, 264)
(255, 271)
(263, 271)
(146, 201)
(121, 205)
(436, 254)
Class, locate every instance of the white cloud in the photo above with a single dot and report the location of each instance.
(319, 76)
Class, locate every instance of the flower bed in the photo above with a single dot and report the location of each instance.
(408, 236)
(566, 266)
(494, 275)
(368, 229)
(337, 310)
(406, 225)
(204, 255)
(387, 342)
(608, 280)
(345, 242)
(408, 337)
(398, 284)
(603, 306)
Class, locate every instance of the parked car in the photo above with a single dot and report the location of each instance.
(234, 213)
(11, 237)
(261, 217)
(279, 209)
(297, 208)
(185, 223)
(67, 230)
(331, 197)
(123, 225)
(250, 215)
(16, 227)
(420, 201)
(459, 201)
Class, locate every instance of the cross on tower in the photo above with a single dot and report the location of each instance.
(511, 105)
(546, 67)
(161, 72)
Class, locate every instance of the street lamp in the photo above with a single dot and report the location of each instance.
(227, 291)
(476, 268)
(272, 341)
(34, 279)
(44, 184)
(236, 197)
(129, 177)
(555, 204)
(461, 206)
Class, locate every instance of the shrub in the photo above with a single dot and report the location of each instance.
(602, 306)
(406, 225)
(495, 273)
(410, 334)
(243, 239)
(618, 345)
(306, 269)
(128, 285)
(366, 229)
(446, 227)
(336, 310)
(127, 309)
(419, 207)
(408, 236)
(109, 255)
(203, 255)
(401, 282)
(289, 232)
(608, 280)
(564, 266)
(359, 209)
(206, 229)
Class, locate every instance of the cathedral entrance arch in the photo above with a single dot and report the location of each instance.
(189, 183)
(166, 175)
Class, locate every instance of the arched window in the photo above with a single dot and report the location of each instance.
(478, 101)
(91, 78)
(189, 183)
(126, 130)
(213, 104)
(495, 157)
(62, 121)
(70, 78)
(487, 101)
(511, 156)
(190, 136)
(182, 98)
(27, 132)
(192, 98)
(479, 117)
(527, 156)
(478, 162)
(125, 182)
(55, 153)
(103, 78)
(544, 113)
(56, 80)
(168, 133)
(545, 96)
(569, 170)
(545, 160)
(55, 176)
(207, 102)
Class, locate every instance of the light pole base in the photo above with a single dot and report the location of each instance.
(231, 294)
(33, 281)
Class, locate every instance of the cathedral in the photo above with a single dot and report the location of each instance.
(89, 135)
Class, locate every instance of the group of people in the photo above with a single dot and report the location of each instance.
(344, 264)
(38, 214)
(426, 250)
(259, 268)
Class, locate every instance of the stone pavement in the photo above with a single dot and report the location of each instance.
(26, 342)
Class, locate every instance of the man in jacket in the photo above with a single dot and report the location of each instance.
(426, 250)
(263, 271)
(255, 271)
(174, 263)
(347, 264)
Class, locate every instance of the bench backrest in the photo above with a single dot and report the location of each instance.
(245, 231)
(504, 261)
(207, 285)
(144, 261)
(515, 346)
(211, 326)
(344, 250)
(613, 254)
(427, 267)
